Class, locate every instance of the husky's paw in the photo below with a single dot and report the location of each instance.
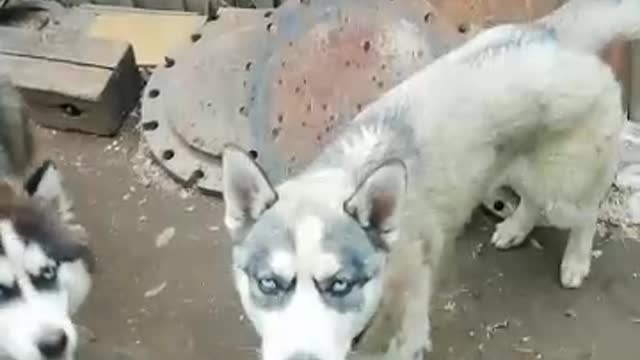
(405, 352)
(508, 234)
(573, 271)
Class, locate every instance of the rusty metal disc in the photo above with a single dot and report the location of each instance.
(279, 83)
(193, 104)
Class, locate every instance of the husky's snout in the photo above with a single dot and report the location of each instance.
(53, 343)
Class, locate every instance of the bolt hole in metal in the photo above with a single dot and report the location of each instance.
(253, 154)
(366, 46)
(168, 154)
(169, 62)
(197, 175)
(195, 37)
(498, 205)
(150, 125)
(71, 110)
(271, 27)
(154, 93)
(427, 17)
(275, 133)
(463, 28)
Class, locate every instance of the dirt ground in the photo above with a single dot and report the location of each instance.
(163, 297)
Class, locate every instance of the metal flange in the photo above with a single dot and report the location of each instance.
(279, 83)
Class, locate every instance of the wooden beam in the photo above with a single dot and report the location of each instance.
(71, 81)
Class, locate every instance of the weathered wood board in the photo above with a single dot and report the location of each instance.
(70, 81)
(152, 33)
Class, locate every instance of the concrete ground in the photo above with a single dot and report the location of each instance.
(166, 297)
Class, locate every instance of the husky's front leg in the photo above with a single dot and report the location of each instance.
(413, 340)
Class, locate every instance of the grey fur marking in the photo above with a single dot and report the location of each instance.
(358, 259)
(254, 253)
(33, 224)
(16, 142)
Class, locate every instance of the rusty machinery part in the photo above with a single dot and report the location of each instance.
(280, 82)
(201, 85)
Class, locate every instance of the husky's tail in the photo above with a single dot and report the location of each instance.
(589, 25)
(16, 142)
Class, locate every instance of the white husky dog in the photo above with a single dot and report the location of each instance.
(346, 250)
(44, 270)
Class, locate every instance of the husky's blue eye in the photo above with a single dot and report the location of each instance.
(47, 278)
(340, 287)
(268, 286)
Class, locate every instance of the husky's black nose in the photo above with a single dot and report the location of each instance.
(303, 356)
(53, 344)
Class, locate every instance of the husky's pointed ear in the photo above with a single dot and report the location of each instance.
(377, 202)
(247, 191)
(45, 186)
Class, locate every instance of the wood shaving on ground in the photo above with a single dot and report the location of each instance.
(622, 200)
(450, 306)
(536, 244)
(492, 329)
(149, 174)
(155, 291)
(614, 214)
(523, 350)
(164, 238)
(477, 251)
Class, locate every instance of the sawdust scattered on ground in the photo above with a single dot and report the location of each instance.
(614, 221)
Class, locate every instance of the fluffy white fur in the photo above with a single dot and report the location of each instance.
(25, 321)
(29, 314)
(527, 106)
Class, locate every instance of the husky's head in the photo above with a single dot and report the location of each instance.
(309, 257)
(44, 271)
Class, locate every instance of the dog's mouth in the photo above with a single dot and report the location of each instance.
(358, 338)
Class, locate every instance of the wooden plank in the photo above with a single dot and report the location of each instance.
(61, 47)
(161, 4)
(152, 33)
(70, 81)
